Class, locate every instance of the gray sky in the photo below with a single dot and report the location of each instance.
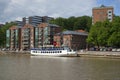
(11, 10)
(16, 9)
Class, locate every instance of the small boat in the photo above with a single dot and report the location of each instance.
(53, 51)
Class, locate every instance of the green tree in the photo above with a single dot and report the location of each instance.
(93, 36)
(59, 21)
(105, 33)
(70, 23)
(3, 33)
(83, 22)
(73, 23)
(114, 39)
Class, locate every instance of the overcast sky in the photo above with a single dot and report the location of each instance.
(11, 10)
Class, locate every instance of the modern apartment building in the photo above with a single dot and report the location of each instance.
(12, 38)
(27, 37)
(73, 39)
(44, 34)
(102, 13)
(19, 23)
(35, 20)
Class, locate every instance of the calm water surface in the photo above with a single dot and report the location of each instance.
(22, 67)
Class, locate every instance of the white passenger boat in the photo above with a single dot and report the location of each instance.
(53, 51)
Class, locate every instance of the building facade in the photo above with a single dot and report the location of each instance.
(44, 34)
(12, 38)
(102, 13)
(27, 37)
(36, 20)
(73, 39)
(19, 23)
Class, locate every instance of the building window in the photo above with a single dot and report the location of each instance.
(109, 11)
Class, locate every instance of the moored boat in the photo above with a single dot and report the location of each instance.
(53, 51)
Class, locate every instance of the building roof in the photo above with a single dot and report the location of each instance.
(54, 25)
(73, 33)
(102, 7)
(47, 24)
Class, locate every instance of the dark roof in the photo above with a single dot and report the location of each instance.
(102, 6)
(73, 33)
(53, 25)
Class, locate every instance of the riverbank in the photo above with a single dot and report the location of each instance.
(104, 54)
(14, 52)
(108, 54)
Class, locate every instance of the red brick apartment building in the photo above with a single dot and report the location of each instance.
(44, 34)
(12, 38)
(28, 36)
(102, 13)
(74, 39)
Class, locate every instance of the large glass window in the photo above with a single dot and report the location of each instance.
(8, 38)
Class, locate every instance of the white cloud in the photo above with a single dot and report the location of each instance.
(56, 8)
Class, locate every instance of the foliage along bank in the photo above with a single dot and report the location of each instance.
(73, 23)
(104, 34)
(3, 33)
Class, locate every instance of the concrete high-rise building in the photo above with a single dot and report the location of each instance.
(35, 20)
(19, 23)
(102, 13)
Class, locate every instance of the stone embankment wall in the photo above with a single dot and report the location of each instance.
(99, 54)
(14, 52)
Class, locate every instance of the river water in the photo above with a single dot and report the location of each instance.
(24, 67)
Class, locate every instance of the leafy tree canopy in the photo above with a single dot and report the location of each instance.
(3, 33)
(73, 23)
(105, 33)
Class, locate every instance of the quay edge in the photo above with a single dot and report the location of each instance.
(109, 54)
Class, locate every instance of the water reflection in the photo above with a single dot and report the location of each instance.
(20, 67)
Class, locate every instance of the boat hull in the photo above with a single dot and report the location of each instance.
(52, 52)
(57, 55)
